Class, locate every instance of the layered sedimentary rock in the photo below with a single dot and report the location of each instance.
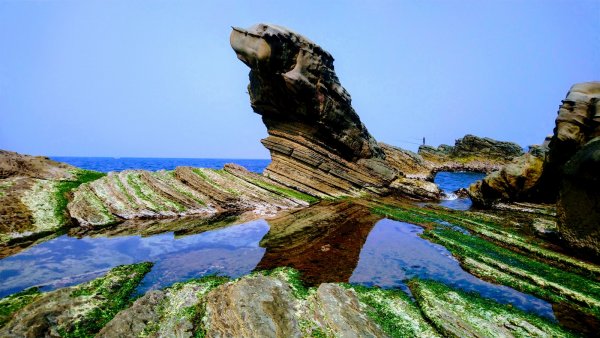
(185, 191)
(563, 172)
(471, 153)
(317, 142)
(33, 195)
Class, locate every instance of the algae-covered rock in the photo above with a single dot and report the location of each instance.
(78, 311)
(459, 314)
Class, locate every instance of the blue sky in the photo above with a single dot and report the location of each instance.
(159, 79)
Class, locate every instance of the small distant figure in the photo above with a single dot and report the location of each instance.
(423, 140)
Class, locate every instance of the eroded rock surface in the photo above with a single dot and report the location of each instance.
(317, 142)
(565, 172)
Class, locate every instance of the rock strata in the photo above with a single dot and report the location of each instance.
(317, 142)
(185, 191)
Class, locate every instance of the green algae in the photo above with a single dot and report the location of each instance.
(64, 188)
(457, 313)
(114, 291)
(520, 272)
(121, 186)
(393, 310)
(286, 192)
(175, 309)
(13, 303)
(292, 277)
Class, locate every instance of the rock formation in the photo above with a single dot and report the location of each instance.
(471, 153)
(185, 191)
(33, 193)
(565, 171)
(317, 142)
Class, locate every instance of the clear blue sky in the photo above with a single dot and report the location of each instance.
(158, 78)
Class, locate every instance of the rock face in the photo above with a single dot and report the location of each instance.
(185, 191)
(562, 172)
(317, 142)
(471, 153)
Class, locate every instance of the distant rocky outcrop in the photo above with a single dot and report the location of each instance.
(471, 153)
(565, 172)
(317, 142)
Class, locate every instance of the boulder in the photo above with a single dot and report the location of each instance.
(317, 141)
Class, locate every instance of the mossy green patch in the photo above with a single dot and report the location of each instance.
(552, 283)
(394, 312)
(63, 189)
(114, 290)
(292, 277)
(286, 192)
(457, 313)
(13, 303)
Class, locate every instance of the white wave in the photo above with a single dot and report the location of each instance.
(449, 196)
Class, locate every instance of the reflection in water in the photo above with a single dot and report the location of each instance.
(394, 253)
(323, 242)
(232, 251)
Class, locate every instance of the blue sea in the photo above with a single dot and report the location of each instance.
(106, 164)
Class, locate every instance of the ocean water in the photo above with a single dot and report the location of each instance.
(106, 164)
(449, 182)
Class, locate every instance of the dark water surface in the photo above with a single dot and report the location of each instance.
(106, 164)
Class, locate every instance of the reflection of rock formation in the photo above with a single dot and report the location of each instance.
(323, 241)
(470, 153)
(317, 142)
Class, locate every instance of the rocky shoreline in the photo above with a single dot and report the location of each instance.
(327, 185)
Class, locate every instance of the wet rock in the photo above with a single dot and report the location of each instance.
(578, 207)
(317, 142)
(470, 153)
(461, 193)
(80, 310)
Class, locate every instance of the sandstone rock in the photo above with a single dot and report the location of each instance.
(578, 207)
(470, 153)
(15, 164)
(537, 175)
(317, 142)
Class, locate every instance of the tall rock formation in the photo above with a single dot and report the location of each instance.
(317, 142)
(565, 172)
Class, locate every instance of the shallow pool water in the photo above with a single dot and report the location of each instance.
(232, 251)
